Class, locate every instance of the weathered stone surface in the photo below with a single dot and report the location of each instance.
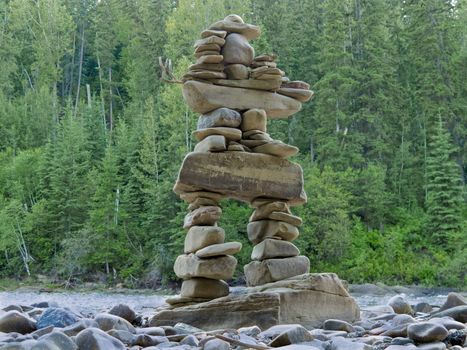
(289, 218)
(271, 270)
(213, 39)
(257, 135)
(217, 67)
(192, 196)
(203, 98)
(269, 77)
(14, 321)
(84, 323)
(260, 230)
(220, 268)
(204, 74)
(453, 300)
(216, 344)
(237, 50)
(308, 300)
(203, 59)
(277, 149)
(199, 202)
(337, 325)
(243, 176)
(267, 85)
(123, 311)
(249, 31)
(236, 71)
(210, 59)
(426, 332)
(233, 146)
(400, 305)
(296, 84)
(229, 133)
(265, 209)
(293, 335)
(212, 143)
(107, 322)
(203, 216)
(95, 339)
(204, 288)
(220, 117)
(257, 64)
(252, 143)
(298, 94)
(208, 47)
(273, 248)
(257, 72)
(55, 341)
(459, 313)
(57, 317)
(254, 119)
(220, 249)
(208, 32)
(232, 311)
(199, 237)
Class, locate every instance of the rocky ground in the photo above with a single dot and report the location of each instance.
(397, 325)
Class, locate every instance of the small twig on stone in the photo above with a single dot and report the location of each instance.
(240, 343)
(167, 74)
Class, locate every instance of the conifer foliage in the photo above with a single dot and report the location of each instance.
(91, 139)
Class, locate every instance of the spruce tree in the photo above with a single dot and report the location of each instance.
(444, 199)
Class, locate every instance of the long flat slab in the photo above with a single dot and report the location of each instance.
(203, 98)
(243, 176)
(308, 300)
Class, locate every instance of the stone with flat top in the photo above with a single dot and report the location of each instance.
(203, 98)
(243, 176)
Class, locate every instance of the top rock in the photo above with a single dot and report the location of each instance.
(235, 24)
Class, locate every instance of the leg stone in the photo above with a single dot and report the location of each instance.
(272, 227)
(271, 270)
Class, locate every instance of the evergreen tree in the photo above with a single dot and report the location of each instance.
(444, 200)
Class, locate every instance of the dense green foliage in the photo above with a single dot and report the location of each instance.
(91, 140)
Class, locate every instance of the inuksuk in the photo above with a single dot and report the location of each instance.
(236, 93)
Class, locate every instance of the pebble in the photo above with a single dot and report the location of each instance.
(96, 339)
(426, 332)
(400, 305)
(123, 311)
(113, 331)
(14, 321)
(338, 325)
(293, 335)
(216, 344)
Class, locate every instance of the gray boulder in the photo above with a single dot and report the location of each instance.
(14, 321)
(57, 317)
(426, 332)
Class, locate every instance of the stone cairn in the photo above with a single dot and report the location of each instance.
(236, 93)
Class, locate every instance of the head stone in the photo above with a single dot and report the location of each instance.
(234, 18)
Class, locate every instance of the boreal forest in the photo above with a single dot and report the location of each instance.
(91, 139)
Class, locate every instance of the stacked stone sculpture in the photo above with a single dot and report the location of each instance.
(236, 93)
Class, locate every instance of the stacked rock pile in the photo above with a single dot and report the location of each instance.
(225, 57)
(271, 229)
(235, 157)
(207, 260)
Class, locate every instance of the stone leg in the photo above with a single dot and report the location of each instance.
(207, 260)
(272, 229)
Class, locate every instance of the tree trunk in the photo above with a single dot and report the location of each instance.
(80, 69)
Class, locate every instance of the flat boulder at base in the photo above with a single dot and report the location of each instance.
(243, 176)
(204, 98)
(308, 300)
